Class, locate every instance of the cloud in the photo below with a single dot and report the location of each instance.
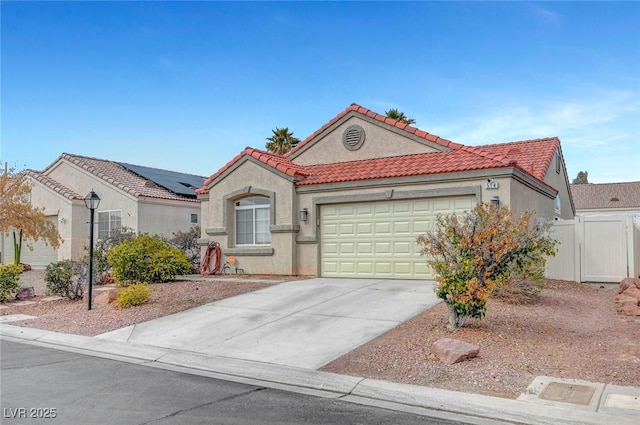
(585, 119)
(545, 16)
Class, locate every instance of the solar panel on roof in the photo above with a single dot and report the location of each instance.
(178, 183)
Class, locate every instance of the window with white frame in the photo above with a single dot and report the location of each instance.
(252, 221)
(107, 222)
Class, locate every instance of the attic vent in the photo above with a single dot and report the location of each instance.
(353, 137)
(149, 183)
(614, 199)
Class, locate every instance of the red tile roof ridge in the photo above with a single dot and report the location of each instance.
(354, 107)
(52, 184)
(273, 160)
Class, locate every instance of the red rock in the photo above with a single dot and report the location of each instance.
(630, 309)
(626, 283)
(632, 292)
(452, 351)
(637, 281)
(105, 297)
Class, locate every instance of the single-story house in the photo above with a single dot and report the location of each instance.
(350, 199)
(141, 198)
(606, 198)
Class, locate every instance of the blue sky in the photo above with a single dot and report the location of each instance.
(187, 85)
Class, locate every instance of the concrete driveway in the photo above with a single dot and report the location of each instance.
(305, 323)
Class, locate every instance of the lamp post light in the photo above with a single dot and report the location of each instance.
(92, 200)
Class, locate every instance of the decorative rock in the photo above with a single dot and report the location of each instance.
(628, 282)
(105, 297)
(628, 298)
(26, 292)
(452, 351)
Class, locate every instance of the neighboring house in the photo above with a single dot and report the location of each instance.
(350, 200)
(606, 198)
(602, 243)
(141, 198)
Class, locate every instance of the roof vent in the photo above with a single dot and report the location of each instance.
(149, 183)
(353, 137)
(614, 199)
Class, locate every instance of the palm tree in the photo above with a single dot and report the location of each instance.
(281, 141)
(394, 114)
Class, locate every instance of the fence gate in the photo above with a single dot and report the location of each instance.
(596, 248)
(604, 248)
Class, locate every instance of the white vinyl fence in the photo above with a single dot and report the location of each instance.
(596, 248)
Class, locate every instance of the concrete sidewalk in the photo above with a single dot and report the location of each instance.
(614, 405)
(305, 323)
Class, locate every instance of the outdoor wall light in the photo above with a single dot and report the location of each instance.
(92, 200)
(304, 214)
(496, 201)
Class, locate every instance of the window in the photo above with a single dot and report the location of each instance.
(107, 222)
(252, 221)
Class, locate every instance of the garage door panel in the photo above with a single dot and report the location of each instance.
(347, 248)
(383, 268)
(401, 207)
(378, 239)
(402, 247)
(348, 267)
(365, 228)
(422, 226)
(381, 208)
(402, 269)
(442, 205)
(462, 204)
(401, 227)
(364, 267)
(346, 229)
(365, 247)
(383, 248)
(383, 228)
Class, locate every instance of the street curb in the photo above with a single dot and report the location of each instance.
(472, 408)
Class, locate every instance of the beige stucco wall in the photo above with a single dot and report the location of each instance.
(559, 182)
(218, 217)
(164, 217)
(524, 199)
(379, 142)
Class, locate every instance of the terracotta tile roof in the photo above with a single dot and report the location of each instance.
(273, 160)
(398, 166)
(115, 174)
(53, 185)
(533, 156)
(604, 195)
(354, 107)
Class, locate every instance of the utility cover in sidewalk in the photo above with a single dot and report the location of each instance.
(623, 401)
(568, 393)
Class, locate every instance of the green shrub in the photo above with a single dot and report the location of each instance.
(66, 279)
(146, 259)
(9, 280)
(135, 294)
(100, 264)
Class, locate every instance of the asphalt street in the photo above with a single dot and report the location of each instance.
(46, 386)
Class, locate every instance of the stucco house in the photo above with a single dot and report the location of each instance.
(350, 199)
(606, 198)
(141, 198)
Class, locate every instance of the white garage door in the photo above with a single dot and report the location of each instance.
(41, 255)
(378, 239)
